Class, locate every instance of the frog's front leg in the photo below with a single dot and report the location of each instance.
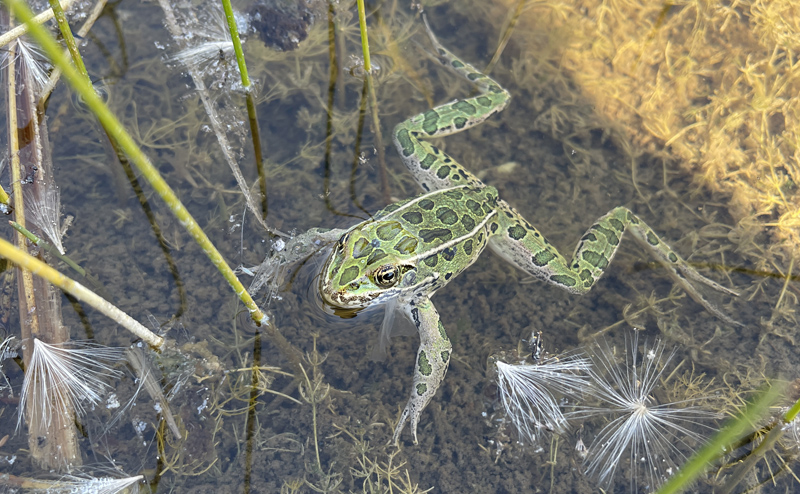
(305, 244)
(432, 359)
(285, 253)
(514, 239)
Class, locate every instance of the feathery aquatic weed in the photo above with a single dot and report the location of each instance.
(656, 436)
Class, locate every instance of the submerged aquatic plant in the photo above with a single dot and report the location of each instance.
(530, 388)
(41, 194)
(61, 378)
(656, 436)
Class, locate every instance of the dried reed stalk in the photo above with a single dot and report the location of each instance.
(39, 303)
(18, 31)
(146, 372)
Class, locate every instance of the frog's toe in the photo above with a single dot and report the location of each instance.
(410, 413)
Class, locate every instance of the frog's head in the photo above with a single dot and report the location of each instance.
(370, 264)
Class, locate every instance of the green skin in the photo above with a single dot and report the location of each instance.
(412, 248)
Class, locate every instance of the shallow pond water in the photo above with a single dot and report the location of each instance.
(560, 153)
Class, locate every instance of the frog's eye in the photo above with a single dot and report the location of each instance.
(386, 276)
(342, 240)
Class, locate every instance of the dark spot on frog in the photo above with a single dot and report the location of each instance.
(413, 217)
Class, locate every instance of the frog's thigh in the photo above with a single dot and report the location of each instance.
(514, 239)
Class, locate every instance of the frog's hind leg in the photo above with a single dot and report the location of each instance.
(496, 98)
(431, 167)
(519, 243)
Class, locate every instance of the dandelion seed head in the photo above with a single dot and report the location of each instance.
(90, 484)
(209, 50)
(656, 437)
(5, 353)
(32, 63)
(639, 409)
(44, 209)
(61, 379)
(530, 394)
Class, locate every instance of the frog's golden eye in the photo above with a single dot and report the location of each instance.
(342, 240)
(386, 276)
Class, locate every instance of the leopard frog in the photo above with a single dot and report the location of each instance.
(412, 248)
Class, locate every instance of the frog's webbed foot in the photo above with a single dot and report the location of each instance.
(621, 219)
(433, 357)
(683, 274)
(679, 270)
(272, 270)
(693, 275)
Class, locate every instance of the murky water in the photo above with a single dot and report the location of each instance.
(563, 153)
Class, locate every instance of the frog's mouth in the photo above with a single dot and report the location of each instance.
(342, 300)
(347, 304)
(345, 313)
(345, 310)
(349, 312)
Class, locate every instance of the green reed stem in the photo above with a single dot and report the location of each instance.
(252, 116)
(66, 33)
(792, 413)
(362, 24)
(4, 199)
(373, 104)
(46, 246)
(115, 129)
(93, 282)
(506, 36)
(722, 440)
(237, 43)
(12, 34)
(38, 268)
(764, 443)
(258, 153)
